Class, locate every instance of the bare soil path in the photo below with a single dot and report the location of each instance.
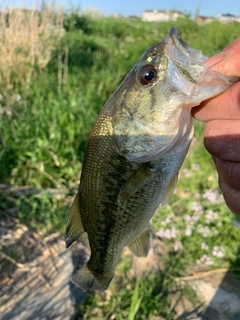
(35, 280)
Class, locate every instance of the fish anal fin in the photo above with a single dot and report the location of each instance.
(87, 281)
(74, 226)
(136, 181)
(141, 244)
(170, 189)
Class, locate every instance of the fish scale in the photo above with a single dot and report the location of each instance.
(134, 154)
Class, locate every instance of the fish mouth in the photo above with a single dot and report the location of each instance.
(184, 48)
(180, 44)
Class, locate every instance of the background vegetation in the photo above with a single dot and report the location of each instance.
(55, 75)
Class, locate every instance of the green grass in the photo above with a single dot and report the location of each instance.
(43, 134)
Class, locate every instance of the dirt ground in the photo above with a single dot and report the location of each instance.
(35, 274)
(35, 279)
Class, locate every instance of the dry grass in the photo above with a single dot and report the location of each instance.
(27, 40)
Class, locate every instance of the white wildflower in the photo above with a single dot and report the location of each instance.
(211, 216)
(212, 196)
(188, 232)
(177, 245)
(17, 97)
(197, 207)
(9, 112)
(218, 251)
(204, 260)
(204, 246)
(187, 173)
(205, 231)
(195, 166)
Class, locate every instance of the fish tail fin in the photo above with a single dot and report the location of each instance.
(87, 281)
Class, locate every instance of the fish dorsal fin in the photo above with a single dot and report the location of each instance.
(141, 244)
(136, 181)
(170, 189)
(74, 226)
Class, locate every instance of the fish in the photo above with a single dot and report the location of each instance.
(134, 153)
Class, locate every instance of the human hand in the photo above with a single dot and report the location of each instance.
(222, 126)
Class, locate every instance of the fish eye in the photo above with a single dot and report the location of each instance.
(147, 74)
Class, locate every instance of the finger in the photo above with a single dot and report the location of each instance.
(231, 197)
(210, 62)
(229, 172)
(222, 139)
(231, 194)
(225, 106)
(228, 61)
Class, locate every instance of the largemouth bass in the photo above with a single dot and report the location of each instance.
(134, 153)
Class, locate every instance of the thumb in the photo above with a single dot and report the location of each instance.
(227, 61)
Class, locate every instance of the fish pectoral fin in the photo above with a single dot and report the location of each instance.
(141, 244)
(74, 226)
(136, 181)
(170, 189)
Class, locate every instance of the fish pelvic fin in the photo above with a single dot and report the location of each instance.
(87, 281)
(74, 226)
(141, 244)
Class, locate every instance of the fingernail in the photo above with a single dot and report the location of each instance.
(220, 55)
(215, 59)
